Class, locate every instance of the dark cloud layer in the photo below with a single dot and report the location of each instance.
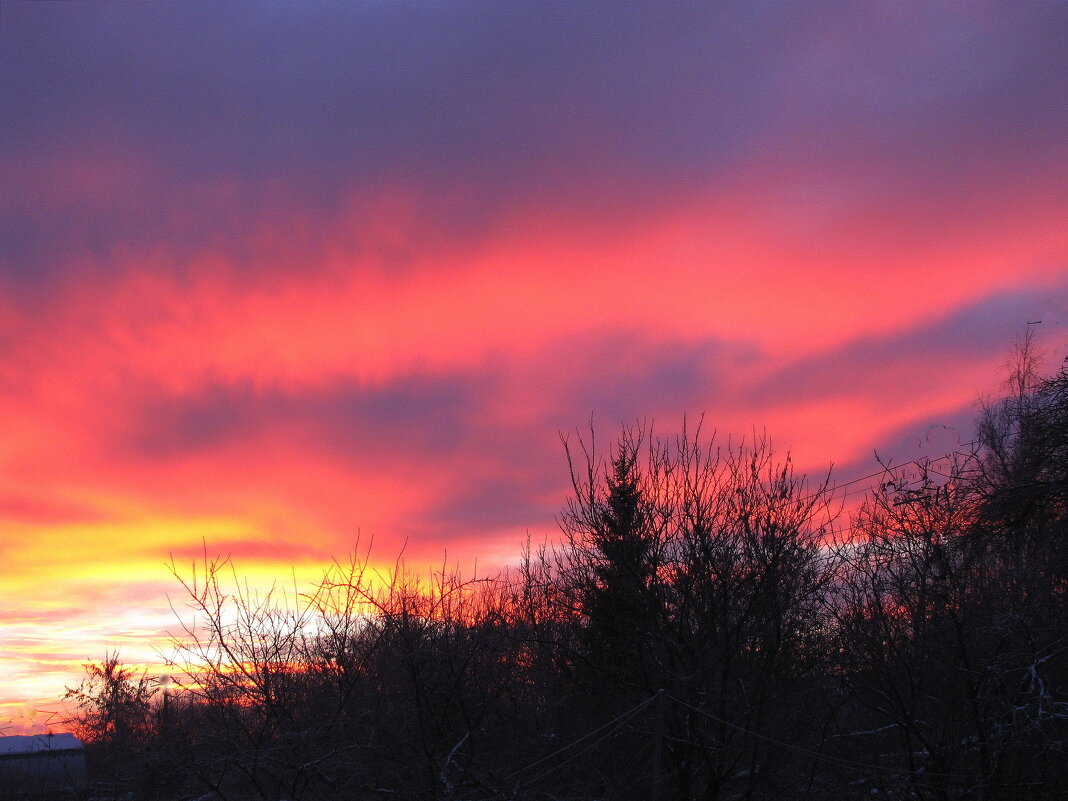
(480, 109)
(266, 88)
(505, 472)
(979, 332)
(414, 415)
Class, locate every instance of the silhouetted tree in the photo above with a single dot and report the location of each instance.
(115, 716)
(699, 571)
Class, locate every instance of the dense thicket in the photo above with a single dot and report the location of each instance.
(709, 626)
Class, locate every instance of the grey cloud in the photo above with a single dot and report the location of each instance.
(865, 367)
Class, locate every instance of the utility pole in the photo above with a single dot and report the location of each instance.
(658, 745)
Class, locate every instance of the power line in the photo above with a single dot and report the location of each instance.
(922, 462)
(619, 723)
(919, 462)
(603, 732)
(842, 761)
(611, 726)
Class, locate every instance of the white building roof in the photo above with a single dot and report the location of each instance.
(36, 743)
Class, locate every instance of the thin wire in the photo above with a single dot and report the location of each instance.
(618, 720)
(818, 754)
(919, 462)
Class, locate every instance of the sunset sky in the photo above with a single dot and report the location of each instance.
(278, 276)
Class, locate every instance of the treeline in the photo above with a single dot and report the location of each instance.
(709, 626)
